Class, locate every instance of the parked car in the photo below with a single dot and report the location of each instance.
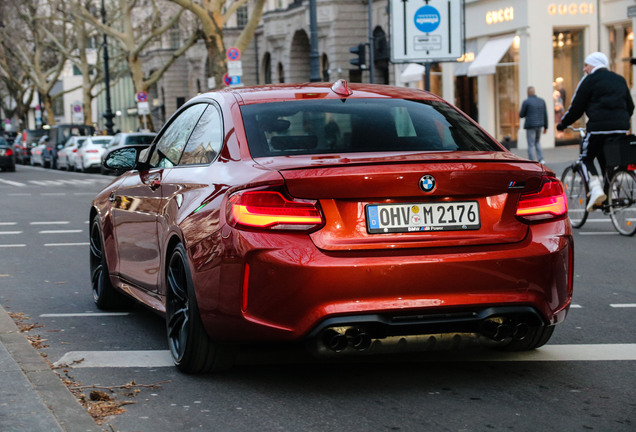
(25, 142)
(38, 150)
(347, 217)
(140, 140)
(66, 156)
(58, 135)
(89, 153)
(7, 156)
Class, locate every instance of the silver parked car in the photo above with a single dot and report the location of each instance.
(66, 156)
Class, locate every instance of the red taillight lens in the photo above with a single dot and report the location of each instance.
(9, 152)
(271, 210)
(549, 203)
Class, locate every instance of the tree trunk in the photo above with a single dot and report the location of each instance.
(48, 108)
(217, 61)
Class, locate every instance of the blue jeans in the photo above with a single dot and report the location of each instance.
(534, 143)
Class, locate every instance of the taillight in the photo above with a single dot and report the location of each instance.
(549, 203)
(9, 152)
(271, 210)
(92, 151)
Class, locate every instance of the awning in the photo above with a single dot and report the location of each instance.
(486, 61)
(412, 73)
(461, 68)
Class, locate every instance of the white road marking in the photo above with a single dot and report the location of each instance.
(12, 245)
(598, 233)
(66, 244)
(12, 183)
(120, 359)
(19, 194)
(8, 223)
(623, 305)
(576, 306)
(85, 314)
(10, 232)
(53, 194)
(60, 231)
(548, 353)
(50, 223)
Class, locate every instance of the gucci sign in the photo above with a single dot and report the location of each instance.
(571, 8)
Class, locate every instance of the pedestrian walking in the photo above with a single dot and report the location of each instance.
(607, 101)
(534, 111)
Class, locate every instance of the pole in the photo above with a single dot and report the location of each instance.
(371, 40)
(314, 60)
(108, 115)
(427, 76)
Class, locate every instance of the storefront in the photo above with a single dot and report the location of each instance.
(511, 45)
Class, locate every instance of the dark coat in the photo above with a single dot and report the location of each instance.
(535, 112)
(606, 100)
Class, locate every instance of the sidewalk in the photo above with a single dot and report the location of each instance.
(556, 158)
(32, 396)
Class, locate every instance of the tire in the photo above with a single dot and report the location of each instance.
(104, 294)
(576, 191)
(622, 193)
(535, 338)
(190, 346)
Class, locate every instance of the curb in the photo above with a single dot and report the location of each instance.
(58, 403)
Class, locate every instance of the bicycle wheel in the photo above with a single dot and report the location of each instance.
(623, 202)
(576, 190)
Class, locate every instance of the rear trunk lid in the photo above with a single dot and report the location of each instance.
(472, 201)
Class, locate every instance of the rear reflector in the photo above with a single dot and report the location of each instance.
(271, 210)
(549, 203)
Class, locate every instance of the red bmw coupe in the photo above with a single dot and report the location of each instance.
(340, 215)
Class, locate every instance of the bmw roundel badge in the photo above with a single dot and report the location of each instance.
(427, 183)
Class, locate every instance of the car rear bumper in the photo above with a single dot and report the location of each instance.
(289, 290)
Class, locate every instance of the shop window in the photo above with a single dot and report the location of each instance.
(621, 49)
(568, 56)
(507, 94)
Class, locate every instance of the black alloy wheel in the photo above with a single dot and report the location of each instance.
(104, 294)
(190, 346)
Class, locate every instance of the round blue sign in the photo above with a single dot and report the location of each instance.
(427, 19)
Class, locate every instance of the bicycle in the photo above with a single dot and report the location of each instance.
(620, 187)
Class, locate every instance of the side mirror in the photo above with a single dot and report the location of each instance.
(122, 159)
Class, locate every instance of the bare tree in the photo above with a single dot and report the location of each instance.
(214, 15)
(32, 52)
(134, 35)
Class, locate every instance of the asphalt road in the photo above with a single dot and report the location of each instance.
(582, 380)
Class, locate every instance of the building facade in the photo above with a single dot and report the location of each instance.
(509, 45)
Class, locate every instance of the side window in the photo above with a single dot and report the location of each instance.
(171, 144)
(206, 141)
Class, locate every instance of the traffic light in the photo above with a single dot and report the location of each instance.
(361, 51)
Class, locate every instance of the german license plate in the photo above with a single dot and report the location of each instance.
(437, 216)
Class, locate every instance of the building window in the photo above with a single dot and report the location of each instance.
(507, 94)
(175, 37)
(621, 48)
(568, 55)
(76, 71)
(241, 16)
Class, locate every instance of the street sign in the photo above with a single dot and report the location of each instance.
(143, 108)
(235, 68)
(426, 31)
(235, 80)
(142, 96)
(233, 54)
(227, 80)
(77, 108)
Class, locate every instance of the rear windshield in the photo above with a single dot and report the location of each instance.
(359, 125)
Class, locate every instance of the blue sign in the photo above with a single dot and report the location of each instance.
(235, 80)
(427, 19)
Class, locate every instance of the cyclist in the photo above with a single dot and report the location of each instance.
(606, 100)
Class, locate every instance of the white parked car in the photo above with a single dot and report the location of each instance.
(89, 153)
(66, 156)
(36, 151)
